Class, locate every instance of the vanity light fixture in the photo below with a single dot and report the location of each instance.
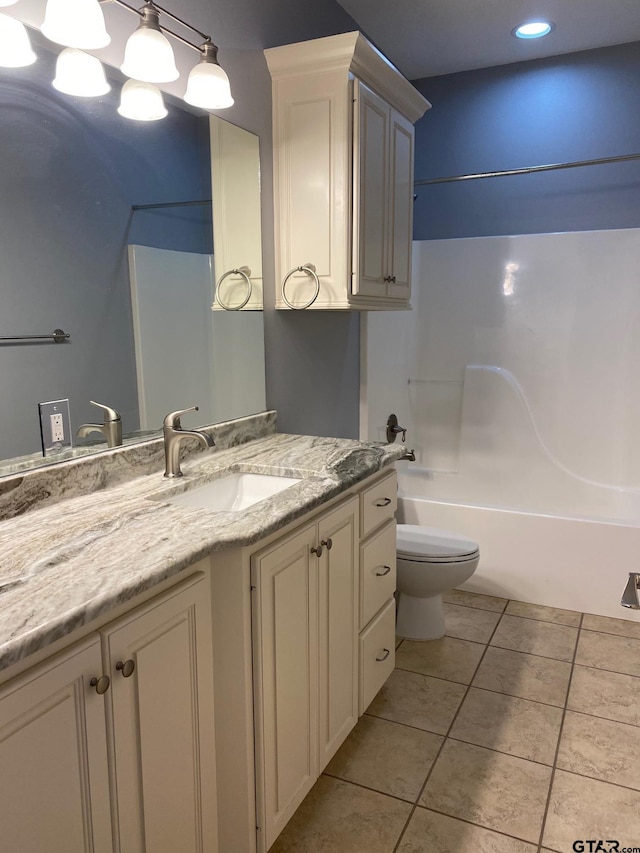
(75, 23)
(208, 85)
(15, 46)
(7, 2)
(141, 102)
(148, 55)
(80, 74)
(533, 29)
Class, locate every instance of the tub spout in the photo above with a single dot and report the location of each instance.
(630, 595)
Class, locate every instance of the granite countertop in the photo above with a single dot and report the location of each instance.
(68, 563)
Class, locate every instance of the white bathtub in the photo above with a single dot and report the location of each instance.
(577, 564)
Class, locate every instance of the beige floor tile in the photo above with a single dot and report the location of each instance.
(536, 638)
(605, 694)
(545, 614)
(398, 641)
(418, 700)
(623, 627)
(523, 675)
(585, 808)
(508, 724)
(429, 832)
(601, 748)
(497, 791)
(450, 658)
(472, 599)
(468, 623)
(337, 817)
(605, 651)
(388, 757)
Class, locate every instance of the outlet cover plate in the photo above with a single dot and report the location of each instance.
(51, 446)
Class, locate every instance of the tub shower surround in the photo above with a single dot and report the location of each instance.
(115, 537)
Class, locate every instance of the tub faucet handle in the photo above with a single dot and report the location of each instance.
(630, 596)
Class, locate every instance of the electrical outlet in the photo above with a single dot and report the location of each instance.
(57, 428)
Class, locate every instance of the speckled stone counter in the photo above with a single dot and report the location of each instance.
(68, 562)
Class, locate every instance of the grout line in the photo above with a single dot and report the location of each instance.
(406, 725)
(555, 759)
(479, 825)
(474, 607)
(442, 745)
(368, 788)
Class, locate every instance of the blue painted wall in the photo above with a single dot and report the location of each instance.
(580, 106)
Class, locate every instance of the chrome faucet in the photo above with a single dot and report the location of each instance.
(110, 428)
(174, 435)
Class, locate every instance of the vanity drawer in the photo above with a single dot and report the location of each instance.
(377, 654)
(377, 571)
(378, 503)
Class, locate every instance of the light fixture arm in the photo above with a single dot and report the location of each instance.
(141, 14)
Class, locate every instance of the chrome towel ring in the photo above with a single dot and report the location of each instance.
(245, 272)
(310, 270)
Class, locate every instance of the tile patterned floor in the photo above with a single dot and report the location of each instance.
(518, 732)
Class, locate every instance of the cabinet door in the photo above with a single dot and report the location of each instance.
(163, 723)
(337, 628)
(54, 780)
(400, 233)
(371, 188)
(285, 586)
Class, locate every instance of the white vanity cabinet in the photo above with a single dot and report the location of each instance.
(132, 768)
(305, 659)
(343, 173)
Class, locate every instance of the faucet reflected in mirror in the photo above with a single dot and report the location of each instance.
(110, 428)
(71, 173)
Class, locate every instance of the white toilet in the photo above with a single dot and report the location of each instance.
(430, 562)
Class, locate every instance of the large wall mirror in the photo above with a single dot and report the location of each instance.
(107, 232)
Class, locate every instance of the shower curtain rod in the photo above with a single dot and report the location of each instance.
(527, 170)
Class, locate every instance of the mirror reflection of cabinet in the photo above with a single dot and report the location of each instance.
(235, 182)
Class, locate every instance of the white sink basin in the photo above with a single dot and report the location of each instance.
(234, 493)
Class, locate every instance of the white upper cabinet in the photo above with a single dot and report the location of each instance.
(343, 175)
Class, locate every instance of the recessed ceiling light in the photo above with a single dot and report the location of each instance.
(533, 29)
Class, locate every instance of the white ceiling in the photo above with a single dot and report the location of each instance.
(429, 37)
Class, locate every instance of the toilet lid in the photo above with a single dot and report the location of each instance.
(416, 542)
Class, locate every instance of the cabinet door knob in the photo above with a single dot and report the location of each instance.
(383, 502)
(328, 543)
(101, 684)
(385, 571)
(317, 551)
(384, 656)
(126, 668)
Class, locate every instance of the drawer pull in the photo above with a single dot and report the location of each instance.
(383, 502)
(328, 543)
(101, 684)
(385, 571)
(126, 668)
(385, 655)
(317, 551)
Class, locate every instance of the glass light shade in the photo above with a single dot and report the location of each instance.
(208, 87)
(148, 56)
(8, 2)
(15, 46)
(75, 23)
(79, 74)
(141, 102)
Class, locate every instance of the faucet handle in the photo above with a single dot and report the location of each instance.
(109, 413)
(172, 420)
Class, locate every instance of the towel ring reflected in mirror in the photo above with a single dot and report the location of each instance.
(245, 272)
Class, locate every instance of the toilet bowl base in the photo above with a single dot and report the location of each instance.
(419, 618)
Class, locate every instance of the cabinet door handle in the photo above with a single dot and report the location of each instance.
(390, 279)
(385, 571)
(126, 667)
(328, 543)
(383, 502)
(317, 551)
(101, 684)
(385, 655)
